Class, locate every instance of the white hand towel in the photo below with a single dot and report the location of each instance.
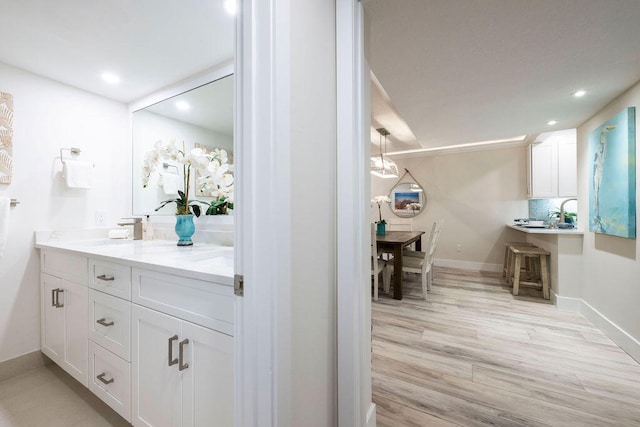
(78, 173)
(5, 202)
(170, 183)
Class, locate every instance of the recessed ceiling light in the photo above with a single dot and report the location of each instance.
(580, 93)
(110, 78)
(182, 105)
(230, 6)
(552, 122)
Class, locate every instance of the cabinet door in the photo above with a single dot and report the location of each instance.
(208, 381)
(76, 340)
(567, 169)
(156, 386)
(52, 319)
(544, 170)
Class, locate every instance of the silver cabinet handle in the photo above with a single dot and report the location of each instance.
(58, 292)
(104, 322)
(172, 361)
(182, 366)
(105, 278)
(104, 381)
(53, 297)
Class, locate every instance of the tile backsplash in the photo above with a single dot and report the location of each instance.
(539, 208)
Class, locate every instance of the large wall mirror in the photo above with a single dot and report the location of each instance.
(199, 118)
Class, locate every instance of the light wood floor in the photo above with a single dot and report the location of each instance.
(48, 397)
(474, 355)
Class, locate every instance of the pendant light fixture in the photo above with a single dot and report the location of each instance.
(381, 166)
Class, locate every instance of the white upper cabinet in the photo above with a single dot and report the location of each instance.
(553, 166)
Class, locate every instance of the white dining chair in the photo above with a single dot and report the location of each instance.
(378, 265)
(400, 224)
(421, 262)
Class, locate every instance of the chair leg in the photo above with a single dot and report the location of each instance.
(544, 272)
(516, 274)
(424, 283)
(429, 278)
(386, 279)
(375, 286)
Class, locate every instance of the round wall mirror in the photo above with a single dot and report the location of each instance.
(407, 199)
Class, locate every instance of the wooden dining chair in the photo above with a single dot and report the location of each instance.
(378, 265)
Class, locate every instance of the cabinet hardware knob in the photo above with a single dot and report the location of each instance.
(103, 322)
(104, 381)
(58, 292)
(182, 366)
(105, 278)
(172, 361)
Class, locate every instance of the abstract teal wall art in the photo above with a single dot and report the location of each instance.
(612, 192)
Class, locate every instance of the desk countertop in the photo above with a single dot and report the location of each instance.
(546, 230)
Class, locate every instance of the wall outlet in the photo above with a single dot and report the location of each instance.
(101, 217)
(458, 247)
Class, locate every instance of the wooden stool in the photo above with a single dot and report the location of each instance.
(507, 256)
(531, 252)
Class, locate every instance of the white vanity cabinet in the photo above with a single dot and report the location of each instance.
(553, 167)
(63, 304)
(154, 343)
(182, 373)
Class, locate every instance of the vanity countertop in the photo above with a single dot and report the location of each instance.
(536, 230)
(203, 261)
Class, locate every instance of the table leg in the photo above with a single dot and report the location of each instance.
(397, 272)
(419, 244)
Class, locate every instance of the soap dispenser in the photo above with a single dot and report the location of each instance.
(147, 229)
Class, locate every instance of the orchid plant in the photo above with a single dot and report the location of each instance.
(379, 200)
(215, 177)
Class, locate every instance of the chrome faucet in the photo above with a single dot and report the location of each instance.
(562, 208)
(137, 227)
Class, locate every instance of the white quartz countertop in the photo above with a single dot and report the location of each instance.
(203, 261)
(546, 230)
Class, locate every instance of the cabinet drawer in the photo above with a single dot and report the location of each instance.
(110, 379)
(204, 303)
(112, 278)
(110, 323)
(64, 266)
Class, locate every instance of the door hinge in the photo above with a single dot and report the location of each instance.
(238, 285)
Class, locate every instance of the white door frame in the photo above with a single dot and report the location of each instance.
(262, 231)
(262, 147)
(355, 407)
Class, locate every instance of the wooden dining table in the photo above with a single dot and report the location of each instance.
(395, 241)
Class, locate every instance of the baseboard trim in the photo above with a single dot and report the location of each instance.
(23, 364)
(371, 416)
(566, 303)
(613, 331)
(468, 265)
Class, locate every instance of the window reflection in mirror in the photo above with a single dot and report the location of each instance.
(200, 118)
(407, 199)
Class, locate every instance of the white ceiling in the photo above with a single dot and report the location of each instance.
(150, 44)
(461, 71)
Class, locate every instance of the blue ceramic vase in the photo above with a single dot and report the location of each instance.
(381, 228)
(185, 229)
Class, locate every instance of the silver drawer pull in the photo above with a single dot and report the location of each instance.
(58, 292)
(172, 361)
(104, 322)
(106, 278)
(104, 381)
(182, 366)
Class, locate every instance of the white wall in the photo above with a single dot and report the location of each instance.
(476, 193)
(611, 265)
(47, 117)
